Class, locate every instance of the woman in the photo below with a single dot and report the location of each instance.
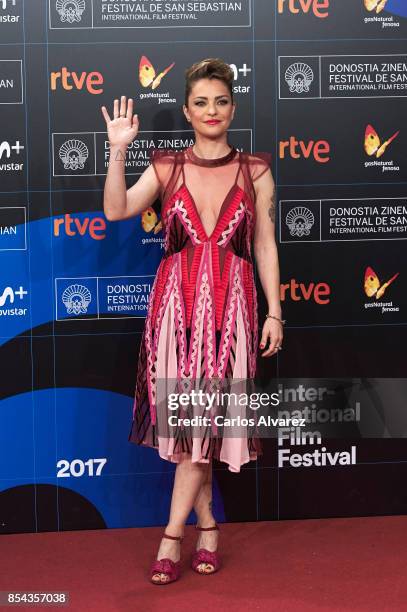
(202, 316)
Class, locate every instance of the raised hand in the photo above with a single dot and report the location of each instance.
(123, 128)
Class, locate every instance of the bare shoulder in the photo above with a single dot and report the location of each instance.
(164, 156)
(258, 156)
(259, 164)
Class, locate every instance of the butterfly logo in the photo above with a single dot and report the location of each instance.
(373, 146)
(150, 222)
(147, 74)
(372, 285)
(375, 5)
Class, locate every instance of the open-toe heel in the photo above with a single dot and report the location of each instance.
(166, 566)
(203, 555)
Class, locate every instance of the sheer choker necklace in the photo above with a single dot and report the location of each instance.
(217, 161)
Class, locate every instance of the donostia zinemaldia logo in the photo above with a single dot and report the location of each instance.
(299, 77)
(76, 299)
(70, 10)
(73, 154)
(299, 221)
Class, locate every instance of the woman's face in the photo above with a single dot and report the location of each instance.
(210, 109)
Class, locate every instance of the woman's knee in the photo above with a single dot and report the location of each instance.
(199, 466)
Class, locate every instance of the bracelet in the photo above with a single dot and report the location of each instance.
(282, 321)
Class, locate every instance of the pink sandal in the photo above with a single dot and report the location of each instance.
(202, 555)
(166, 566)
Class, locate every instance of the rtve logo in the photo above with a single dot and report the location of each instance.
(320, 293)
(296, 149)
(71, 80)
(318, 7)
(94, 227)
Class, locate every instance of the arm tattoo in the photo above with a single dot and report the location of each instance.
(272, 210)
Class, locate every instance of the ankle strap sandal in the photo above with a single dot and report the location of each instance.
(166, 565)
(203, 555)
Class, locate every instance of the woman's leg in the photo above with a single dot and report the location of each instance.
(203, 502)
(187, 484)
(203, 509)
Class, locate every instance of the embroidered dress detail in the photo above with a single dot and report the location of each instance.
(201, 322)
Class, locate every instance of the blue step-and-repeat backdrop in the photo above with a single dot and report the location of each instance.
(322, 85)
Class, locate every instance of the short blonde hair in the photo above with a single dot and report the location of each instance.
(209, 68)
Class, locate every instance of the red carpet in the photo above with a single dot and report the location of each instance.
(328, 564)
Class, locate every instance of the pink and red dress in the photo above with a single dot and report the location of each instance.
(202, 321)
